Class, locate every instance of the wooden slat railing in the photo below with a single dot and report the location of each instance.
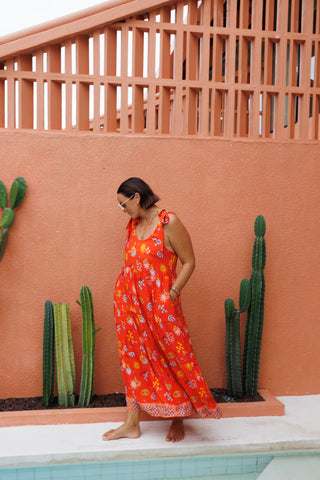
(210, 68)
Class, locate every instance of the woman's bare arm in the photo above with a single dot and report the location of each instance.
(178, 240)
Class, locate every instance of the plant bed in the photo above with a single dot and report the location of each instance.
(111, 408)
(105, 401)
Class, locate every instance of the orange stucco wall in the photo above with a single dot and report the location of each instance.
(69, 232)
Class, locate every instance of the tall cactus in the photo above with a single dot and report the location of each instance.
(48, 356)
(254, 326)
(66, 377)
(229, 313)
(88, 346)
(233, 347)
(17, 193)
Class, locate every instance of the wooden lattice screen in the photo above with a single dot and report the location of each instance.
(211, 68)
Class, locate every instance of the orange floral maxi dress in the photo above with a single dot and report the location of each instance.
(160, 372)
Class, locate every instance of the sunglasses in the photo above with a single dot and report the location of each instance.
(122, 204)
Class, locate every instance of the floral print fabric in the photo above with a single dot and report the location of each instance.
(160, 372)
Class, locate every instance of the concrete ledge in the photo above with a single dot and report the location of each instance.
(270, 407)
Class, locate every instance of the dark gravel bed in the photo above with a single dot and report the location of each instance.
(109, 400)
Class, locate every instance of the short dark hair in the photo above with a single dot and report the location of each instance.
(137, 185)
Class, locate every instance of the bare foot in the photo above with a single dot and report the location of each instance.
(176, 432)
(124, 431)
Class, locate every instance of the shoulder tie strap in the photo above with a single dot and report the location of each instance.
(164, 216)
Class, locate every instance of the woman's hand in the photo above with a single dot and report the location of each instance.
(173, 295)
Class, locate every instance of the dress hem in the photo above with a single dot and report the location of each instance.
(169, 411)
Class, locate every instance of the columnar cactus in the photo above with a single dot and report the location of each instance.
(88, 346)
(233, 347)
(229, 312)
(254, 326)
(48, 356)
(17, 193)
(66, 377)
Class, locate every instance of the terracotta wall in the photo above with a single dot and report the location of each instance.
(69, 232)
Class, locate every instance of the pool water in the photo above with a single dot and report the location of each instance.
(214, 467)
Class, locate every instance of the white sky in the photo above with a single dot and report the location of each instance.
(19, 14)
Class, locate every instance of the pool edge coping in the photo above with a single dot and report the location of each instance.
(279, 448)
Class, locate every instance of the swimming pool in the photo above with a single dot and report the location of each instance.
(214, 467)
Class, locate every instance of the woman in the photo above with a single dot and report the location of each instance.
(160, 372)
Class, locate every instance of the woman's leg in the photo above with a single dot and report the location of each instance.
(176, 432)
(130, 428)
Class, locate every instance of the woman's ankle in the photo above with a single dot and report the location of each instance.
(133, 418)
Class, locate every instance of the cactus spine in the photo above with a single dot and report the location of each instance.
(48, 356)
(88, 346)
(233, 347)
(254, 326)
(17, 193)
(66, 377)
